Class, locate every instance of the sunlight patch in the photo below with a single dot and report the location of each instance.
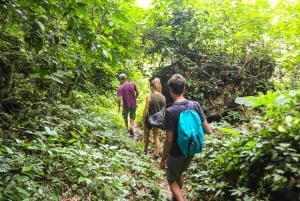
(143, 3)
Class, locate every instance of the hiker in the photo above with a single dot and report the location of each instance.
(155, 102)
(127, 94)
(172, 156)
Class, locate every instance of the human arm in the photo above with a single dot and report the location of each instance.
(206, 127)
(165, 104)
(166, 148)
(136, 92)
(119, 102)
(146, 109)
(205, 124)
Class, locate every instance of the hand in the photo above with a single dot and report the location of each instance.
(162, 165)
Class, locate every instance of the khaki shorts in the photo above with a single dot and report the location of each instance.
(176, 166)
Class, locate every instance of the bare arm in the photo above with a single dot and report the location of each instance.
(119, 102)
(166, 149)
(206, 127)
(146, 109)
(136, 92)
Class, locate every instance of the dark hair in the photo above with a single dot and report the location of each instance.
(177, 84)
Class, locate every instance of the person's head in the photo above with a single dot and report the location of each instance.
(122, 77)
(156, 85)
(177, 84)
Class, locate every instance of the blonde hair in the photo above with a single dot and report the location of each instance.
(156, 84)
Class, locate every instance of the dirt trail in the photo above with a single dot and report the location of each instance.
(164, 184)
(138, 136)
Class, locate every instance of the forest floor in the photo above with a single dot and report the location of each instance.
(138, 136)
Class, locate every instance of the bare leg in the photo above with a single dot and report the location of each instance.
(146, 138)
(131, 123)
(156, 141)
(131, 127)
(125, 118)
(180, 181)
(126, 123)
(176, 190)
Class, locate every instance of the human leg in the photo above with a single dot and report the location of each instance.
(131, 123)
(180, 181)
(132, 115)
(176, 190)
(125, 113)
(176, 167)
(156, 141)
(146, 138)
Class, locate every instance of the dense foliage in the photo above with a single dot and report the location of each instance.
(76, 154)
(62, 139)
(49, 48)
(57, 133)
(226, 50)
(260, 162)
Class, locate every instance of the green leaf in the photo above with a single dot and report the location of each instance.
(84, 179)
(54, 79)
(113, 147)
(41, 25)
(21, 178)
(269, 167)
(26, 168)
(4, 168)
(10, 188)
(83, 172)
(83, 130)
(220, 159)
(281, 129)
(7, 149)
(74, 134)
(107, 191)
(244, 101)
(23, 192)
(107, 54)
(285, 145)
(49, 131)
(278, 177)
(229, 131)
(72, 140)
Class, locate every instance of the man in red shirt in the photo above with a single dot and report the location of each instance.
(127, 94)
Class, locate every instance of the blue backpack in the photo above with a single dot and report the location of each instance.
(190, 131)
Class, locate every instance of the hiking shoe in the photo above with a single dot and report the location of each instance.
(155, 157)
(172, 198)
(130, 131)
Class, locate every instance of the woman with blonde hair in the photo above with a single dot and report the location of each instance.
(154, 103)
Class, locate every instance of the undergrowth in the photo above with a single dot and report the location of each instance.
(76, 149)
(257, 163)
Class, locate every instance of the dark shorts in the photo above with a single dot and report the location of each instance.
(176, 166)
(147, 123)
(131, 111)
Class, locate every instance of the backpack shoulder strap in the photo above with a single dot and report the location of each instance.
(191, 106)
